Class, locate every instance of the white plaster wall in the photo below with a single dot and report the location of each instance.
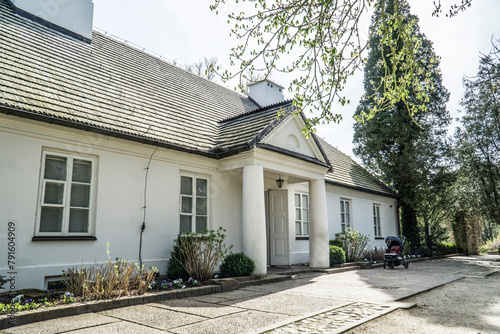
(361, 212)
(120, 199)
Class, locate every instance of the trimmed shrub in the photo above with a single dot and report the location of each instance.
(237, 264)
(175, 269)
(445, 248)
(335, 242)
(424, 251)
(337, 255)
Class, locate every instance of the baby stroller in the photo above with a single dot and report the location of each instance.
(394, 253)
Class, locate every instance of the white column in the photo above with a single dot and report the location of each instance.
(318, 226)
(254, 217)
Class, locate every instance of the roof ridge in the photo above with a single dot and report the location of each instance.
(255, 111)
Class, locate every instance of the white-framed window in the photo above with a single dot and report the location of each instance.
(345, 214)
(193, 204)
(66, 194)
(301, 214)
(376, 220)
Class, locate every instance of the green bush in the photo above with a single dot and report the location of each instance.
(445, 248)
(424, 251)
(337, 255)
(175, 269)
(353, 243)
(2, 281)
(237, 264)
(335, 242)
(201, 253)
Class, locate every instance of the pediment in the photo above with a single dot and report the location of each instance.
(288, 136)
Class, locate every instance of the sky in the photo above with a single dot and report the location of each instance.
(185, 32)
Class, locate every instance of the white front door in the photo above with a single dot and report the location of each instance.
(278, 228)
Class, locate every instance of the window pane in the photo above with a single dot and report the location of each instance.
(201, 187)
(186, 185)
(80, 195)
(51, 219)
(298, 228)
(82, 171)
(54, 193)
(297, 201)
(342, 218)
(79, 220)
(378, 211)
(305, 214)
(185, 223)
(342, 206)
(306, 228)
(55, 168)
(201, 206)
(187, 205)
(298, 215)
(374, 212)
(201, 224)
(305, 201)
(348, 219)
(347, 207)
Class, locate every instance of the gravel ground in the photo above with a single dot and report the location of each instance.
(470, 305)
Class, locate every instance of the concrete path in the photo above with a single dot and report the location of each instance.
(311, 302)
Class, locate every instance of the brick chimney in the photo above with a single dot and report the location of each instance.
(265, 92)
(72, 17)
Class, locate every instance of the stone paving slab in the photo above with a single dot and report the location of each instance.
(154, 317)
(244, 322)
(63, 324)
(195, 307)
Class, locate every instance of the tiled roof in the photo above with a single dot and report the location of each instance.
(109, 85)
(348, 173)
(242, 129)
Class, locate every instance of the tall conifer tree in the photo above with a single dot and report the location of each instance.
(404, 150)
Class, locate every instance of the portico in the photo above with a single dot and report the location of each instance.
(259, 168)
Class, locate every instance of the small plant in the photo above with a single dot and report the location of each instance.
(445, 248)
(374, 255)
(201, 253)
(424, 251)
(337, 255)
(237, 264)
(353, 243)
(113, 279)
(335, 242)
(2, 281)
(175, 267)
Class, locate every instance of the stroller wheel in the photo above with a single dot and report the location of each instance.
(391, 265)
(385, 265)
(406, 264)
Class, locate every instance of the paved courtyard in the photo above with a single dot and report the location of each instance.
(311, 302)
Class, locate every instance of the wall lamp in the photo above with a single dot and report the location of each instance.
(280, 181)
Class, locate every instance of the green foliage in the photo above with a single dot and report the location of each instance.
(237, 264)
(406, 150)
(445, 248)
(112, 279)
(375, 254)
(424, 251)
(2, 281)
(321, 40)
(335, 242)
(201, 253)
(478, 141)
(353, 243)
(175, 269)
(337, 255)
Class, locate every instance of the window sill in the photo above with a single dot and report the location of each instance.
(379, 238)
(63, 238)
(301, 238)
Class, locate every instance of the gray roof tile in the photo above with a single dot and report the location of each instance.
(348, 173)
